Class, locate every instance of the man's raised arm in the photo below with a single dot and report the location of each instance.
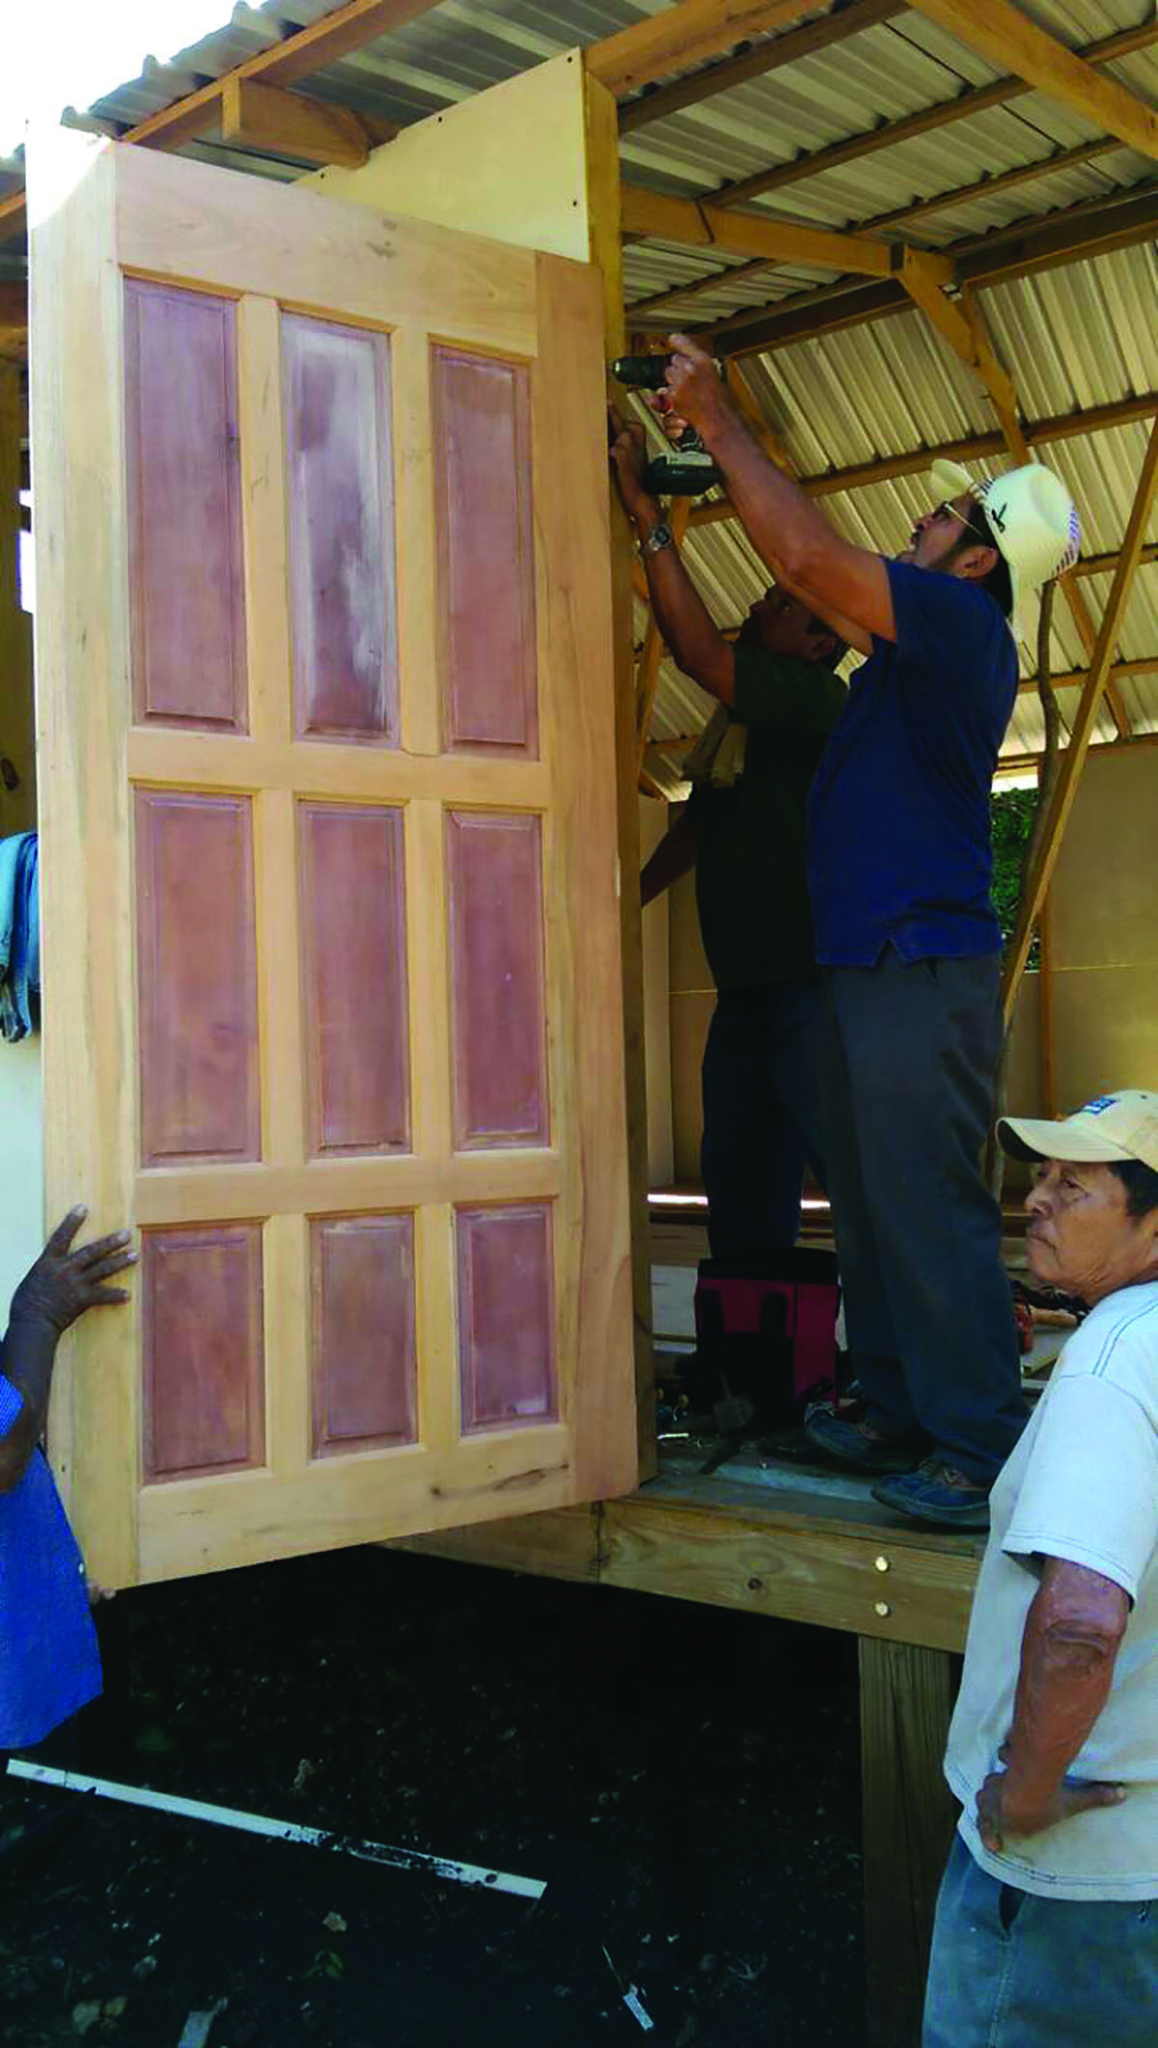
(848, 586)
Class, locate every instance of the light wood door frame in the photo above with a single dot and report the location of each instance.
(99, 213)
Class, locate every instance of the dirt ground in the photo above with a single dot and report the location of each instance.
(684, 1779)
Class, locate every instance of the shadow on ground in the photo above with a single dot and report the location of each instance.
(685, 1780)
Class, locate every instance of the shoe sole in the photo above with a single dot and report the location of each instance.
(937, 1518)
(875, 1464)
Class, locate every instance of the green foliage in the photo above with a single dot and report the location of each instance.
(1012, 812)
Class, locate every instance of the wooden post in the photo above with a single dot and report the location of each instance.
(606, 250)
(906, 1698)
(1046, 1038)
(1073, 761)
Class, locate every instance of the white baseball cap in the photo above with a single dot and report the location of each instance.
(1121, 1126)
(1034, 520)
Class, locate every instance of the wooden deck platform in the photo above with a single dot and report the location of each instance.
(804, 1545)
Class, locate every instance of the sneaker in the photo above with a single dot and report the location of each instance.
(856, 1444)
(936, 1493)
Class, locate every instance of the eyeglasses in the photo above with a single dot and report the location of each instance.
(947, 510)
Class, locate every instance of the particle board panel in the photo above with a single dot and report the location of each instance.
(336, 907)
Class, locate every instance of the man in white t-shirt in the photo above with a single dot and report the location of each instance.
(1047, 1922)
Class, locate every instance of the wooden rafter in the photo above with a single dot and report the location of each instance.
(1065, 790)
(973, 448)
(310, 49)
(281, 123)
(1074, 678)
(988, 187)
(963, 327)
(1005, 36)
(678, 37)
(1068, 235)
(1024, 764)
(976, 100)
(698, 225)
(756, 62)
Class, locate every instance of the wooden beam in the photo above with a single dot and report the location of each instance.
(756, 62)
(1037, 883)
(972, 448)
(702, 226)
(280, 123)
(310, 49)
(1024, 764)
(906, 1702)
(1005, 36)
(962, 332)
(678, 37)
(1074, 678)
(1068, 235)
(981, 99)
(986, 188)
(1105, 565)
(605, 251)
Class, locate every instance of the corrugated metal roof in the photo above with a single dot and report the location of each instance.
(1075, 337)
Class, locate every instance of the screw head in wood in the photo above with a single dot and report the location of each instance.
(882, 1564)
(882, 1607)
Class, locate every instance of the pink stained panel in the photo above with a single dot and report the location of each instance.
(506, 1342)
(341, 530)
(494, 865)
(482, 439)
(184, 496)
(362, 1270)
(354, 954)
(197, 976)
(203, 1351)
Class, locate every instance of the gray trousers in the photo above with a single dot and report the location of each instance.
(1011, 1970)
(908, 1058)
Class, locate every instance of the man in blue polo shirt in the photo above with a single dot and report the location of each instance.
(899, 874)
(49, 1662)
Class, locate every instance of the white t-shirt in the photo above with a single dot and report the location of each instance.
(1082, 1484)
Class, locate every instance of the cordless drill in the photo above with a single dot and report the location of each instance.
(691, 470)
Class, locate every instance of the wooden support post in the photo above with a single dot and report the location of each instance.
(1046, 1039)
(606, 250)
(906, 1698)
(1073, 761)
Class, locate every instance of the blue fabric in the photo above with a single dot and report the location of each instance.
(19, 933)
(1010, 1970)
(49, 1660)
(898, 816)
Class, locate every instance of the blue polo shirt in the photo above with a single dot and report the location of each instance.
(49, 1660)
(898, 815)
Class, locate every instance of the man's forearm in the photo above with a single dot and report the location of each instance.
(26, 1361)
(685, 624)
(1070, 1643)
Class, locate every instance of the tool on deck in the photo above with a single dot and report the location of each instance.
(691, 470)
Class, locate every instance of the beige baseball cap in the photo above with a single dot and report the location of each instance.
(1034, 520)
(1122, 1126)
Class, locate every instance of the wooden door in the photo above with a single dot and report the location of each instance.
(331, 958)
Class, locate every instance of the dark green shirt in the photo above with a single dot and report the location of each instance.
(751, 880)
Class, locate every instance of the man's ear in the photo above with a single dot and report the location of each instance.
(977, 563)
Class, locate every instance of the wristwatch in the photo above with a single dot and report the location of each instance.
(660, 537)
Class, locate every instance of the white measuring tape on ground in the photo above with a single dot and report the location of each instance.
(282, 1830)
